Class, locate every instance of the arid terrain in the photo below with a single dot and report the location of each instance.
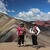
(14, 46)
(8, 33)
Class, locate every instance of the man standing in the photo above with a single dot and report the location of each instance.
(35, 32)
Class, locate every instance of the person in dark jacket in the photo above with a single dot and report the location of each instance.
(35, 32)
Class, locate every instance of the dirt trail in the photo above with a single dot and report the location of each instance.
(14, 46)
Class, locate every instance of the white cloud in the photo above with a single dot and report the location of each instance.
(48, 1)
(32, 15)
(35, 10)
(1, 0)
(8, 11)
(11, 11)
(48, 12)
(3, 8)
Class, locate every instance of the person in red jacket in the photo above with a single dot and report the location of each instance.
(21, 32)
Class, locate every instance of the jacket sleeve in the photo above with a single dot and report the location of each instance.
(31, 31)
(38, 30)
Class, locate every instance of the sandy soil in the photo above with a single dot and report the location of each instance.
(14, 46)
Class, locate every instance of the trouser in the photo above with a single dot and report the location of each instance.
(21, 39)
(34, 40)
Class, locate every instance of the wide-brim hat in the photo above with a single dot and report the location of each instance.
(21, 23)
(34, 23)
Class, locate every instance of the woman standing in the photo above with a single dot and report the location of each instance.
(21, 33)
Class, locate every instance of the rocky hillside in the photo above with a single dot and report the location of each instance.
(8, 27)
(7, 24)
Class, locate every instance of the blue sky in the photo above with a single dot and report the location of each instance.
(25, 5)
(17, 8)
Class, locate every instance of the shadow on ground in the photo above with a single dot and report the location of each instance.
(37, 47)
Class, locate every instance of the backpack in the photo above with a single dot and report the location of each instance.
(35, 30)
